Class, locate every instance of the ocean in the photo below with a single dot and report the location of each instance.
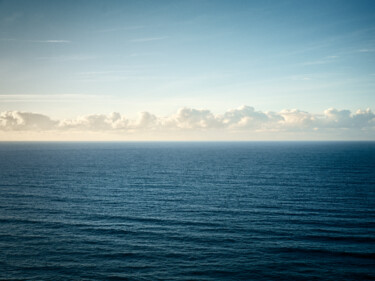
(187, 211)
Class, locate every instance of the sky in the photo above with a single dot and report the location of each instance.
(187, 70)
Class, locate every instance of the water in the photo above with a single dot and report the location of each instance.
(187, 211)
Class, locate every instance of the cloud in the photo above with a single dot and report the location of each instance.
(297, 119)
(95, 122)
(148, 39)
(67, 58)
(325, 60)
(344, 119)
(25, 121)
(247, 117)
(125, 28)
(242, 119)
(146, 120)
(37, 41)
(366, 50)
(188, 118)
(50, 41)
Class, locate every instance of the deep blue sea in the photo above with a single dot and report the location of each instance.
(187, 211)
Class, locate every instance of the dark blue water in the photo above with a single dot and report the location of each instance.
(187, 211)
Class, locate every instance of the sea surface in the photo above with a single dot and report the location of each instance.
(187, 211)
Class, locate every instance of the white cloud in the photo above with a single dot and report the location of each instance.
(242, 119)
(95, 122)
(366, 118)
(297, 119)
(344, 119)
(25, 121)
(247, 117)
(338, 118)
(188, 118)
(146, 120)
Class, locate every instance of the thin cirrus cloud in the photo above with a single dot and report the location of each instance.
(50, 41)
(124, 28)
(148, 39)
(242, 119)
(325, 60)
(37, 41)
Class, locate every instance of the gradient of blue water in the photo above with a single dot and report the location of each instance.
(187, 211)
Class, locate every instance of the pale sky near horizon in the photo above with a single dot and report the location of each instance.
(63, 59)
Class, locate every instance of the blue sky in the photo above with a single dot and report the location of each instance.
(70, 58)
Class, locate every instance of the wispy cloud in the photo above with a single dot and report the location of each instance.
(68, 58)
(125, 28)
(325, 60)
(148, 39)
(91, 73)
(144, 54)
(301, 77)
(366, 50)
(50, 41)
(45, 98)
(55, 41)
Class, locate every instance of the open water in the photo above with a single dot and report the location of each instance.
(187, 211)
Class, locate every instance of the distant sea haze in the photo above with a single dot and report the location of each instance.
(187, 211)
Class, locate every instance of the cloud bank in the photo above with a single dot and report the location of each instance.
(244, 119)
